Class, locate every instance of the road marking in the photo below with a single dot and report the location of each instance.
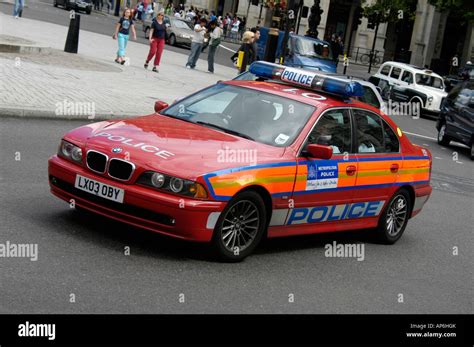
(438, 158)
(422, 136)
(227, 48)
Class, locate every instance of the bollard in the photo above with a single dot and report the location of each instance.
(272, 44)
(72, 41)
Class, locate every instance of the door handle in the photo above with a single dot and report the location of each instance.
(394, 168)
(350, 170)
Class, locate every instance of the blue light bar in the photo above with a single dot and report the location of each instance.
(307, 79)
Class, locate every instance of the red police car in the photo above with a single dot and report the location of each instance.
(289, 154)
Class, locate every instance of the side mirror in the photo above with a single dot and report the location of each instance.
(319, 151)
(160, 105)
(379, 90)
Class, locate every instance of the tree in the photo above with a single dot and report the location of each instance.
(382, 11)
(463, 9)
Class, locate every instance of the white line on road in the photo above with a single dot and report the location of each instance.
(231, 50)
(423, 136)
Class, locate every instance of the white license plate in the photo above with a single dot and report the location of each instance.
(100, 189)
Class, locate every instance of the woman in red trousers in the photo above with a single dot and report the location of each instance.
(157, 39)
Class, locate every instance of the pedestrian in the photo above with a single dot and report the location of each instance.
(234, 32)
(18, 8)
(215, 37)
(256, 32)
(196, 44)
(157, 38)
(122, 33)
(169, 9)
(247, 49)
(139, 10)
(242, 26)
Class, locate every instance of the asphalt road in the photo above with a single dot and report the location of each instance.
(101, 23)
(83, 254)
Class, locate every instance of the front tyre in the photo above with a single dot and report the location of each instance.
(394, 219)
(442, 138)
(172, 40)
(240, 227)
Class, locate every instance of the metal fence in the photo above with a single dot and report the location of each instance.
(360, 55)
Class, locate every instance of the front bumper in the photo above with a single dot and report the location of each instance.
(142, 207)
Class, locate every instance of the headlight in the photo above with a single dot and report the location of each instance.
(176, 184)
(430, 99)
(69, 151)
(157, 180)
(173, 184)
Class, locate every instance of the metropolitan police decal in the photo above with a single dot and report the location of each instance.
(322, 174)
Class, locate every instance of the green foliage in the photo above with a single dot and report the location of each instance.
(389, 10)
(462, 8)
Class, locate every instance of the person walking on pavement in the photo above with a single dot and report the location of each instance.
(196, 44)
(122, 34)
(215, 41)
(247, 48)
(256, 33)
(18, 8)
(157, 38)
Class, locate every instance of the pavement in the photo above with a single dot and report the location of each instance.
(40, 85)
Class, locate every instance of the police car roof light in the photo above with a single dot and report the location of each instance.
(307, 79)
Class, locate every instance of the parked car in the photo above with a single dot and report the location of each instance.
(179, 30)
(76, 5)
(456, 120)
(408, 83)
(464, 74)
(371, 94)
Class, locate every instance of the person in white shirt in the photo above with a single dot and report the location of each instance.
(235, 29)
(196, 44)
(215, 35)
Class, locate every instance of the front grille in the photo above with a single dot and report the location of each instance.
(128, 209)
(96, 161)
(120, 169)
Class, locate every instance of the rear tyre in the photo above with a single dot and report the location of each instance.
(88, 11)
(471, 155)
(442, 138)
(240, 227)
(55, 3)
(394, 218)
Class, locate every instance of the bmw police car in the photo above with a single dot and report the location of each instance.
(293, 154)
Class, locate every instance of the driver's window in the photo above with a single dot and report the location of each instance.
(333, 128)
(369, 132)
